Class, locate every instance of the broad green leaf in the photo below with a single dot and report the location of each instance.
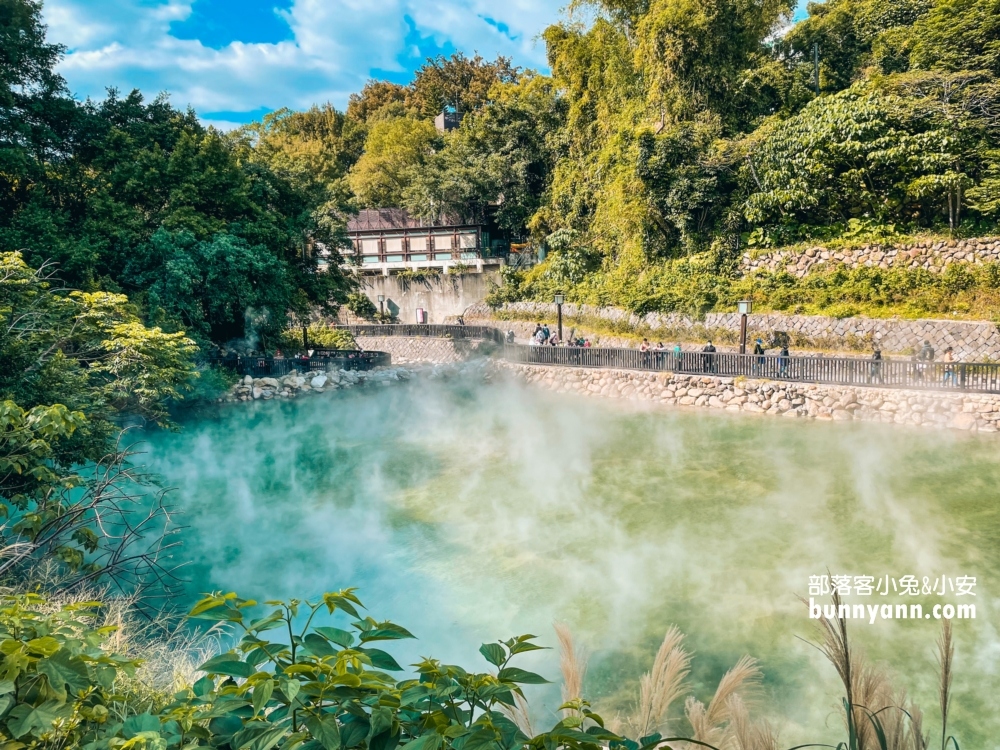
(64, 671)
(228, 664)
(516, 674)
(338, 636)
(353, 733)
(46, 646)
(495, 653)
(319, 646)
(290, 688)
(386, 631)
(140, 723)
(381, 660)
(261, 695)
(26, 719)
(429, 741)
(335, 601)
(381, 720)
(325, 730)
(258, 738)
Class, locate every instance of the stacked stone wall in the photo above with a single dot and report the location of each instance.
(932, 255)
(969, 412)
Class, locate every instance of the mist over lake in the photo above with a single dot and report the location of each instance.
(470, 511)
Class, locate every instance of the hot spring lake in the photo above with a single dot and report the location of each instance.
(469, 512)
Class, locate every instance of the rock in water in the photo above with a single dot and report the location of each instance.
(247, 380)
(318, 382)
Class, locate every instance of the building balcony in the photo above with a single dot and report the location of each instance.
(477, 260)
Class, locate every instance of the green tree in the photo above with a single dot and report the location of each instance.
(459, 82)
(394, 148)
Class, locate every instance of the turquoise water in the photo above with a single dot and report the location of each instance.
(469, 512)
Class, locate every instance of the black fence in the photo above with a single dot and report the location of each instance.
(326, 361)
(946, 376)
(886, 373)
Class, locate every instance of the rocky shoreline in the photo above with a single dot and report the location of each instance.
(956, 411)
(298, 384)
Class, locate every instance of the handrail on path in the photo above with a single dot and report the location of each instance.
(963, 377)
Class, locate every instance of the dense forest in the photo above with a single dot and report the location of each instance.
(671, 136)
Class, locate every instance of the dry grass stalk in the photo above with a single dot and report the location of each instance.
(572, 664)
(745, 734)
(519, 714)
(662, 685)
(870, 694)
(711, 725)
(946, 659)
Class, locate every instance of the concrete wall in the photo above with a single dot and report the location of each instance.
(443, 296)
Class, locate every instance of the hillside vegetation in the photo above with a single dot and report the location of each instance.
(671, 129)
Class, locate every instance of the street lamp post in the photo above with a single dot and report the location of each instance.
(381, 304)
(559, 303)
(744, 307)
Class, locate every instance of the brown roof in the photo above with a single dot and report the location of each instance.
(388, 219)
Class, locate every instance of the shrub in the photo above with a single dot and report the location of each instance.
(320, 337)
(360, 305)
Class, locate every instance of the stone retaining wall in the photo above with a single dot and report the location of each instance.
(973, 341)
(413, 350)
(971, 412)
(933, 255)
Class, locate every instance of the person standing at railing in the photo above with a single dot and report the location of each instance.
(783, 362)
(949, 368)
(659, 349)
(926, 355)
(678, 352)
(708, 357)
(875, 369)
(758, 350)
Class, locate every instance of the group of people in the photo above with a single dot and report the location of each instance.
(923, 358)
(542, 336)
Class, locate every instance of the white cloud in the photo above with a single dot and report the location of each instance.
(335, 45)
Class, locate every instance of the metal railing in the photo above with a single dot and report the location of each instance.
(326, 361)
(975, 377)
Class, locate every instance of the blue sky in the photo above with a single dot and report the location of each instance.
(234, 60)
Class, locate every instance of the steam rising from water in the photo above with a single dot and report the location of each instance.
(469, 512)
